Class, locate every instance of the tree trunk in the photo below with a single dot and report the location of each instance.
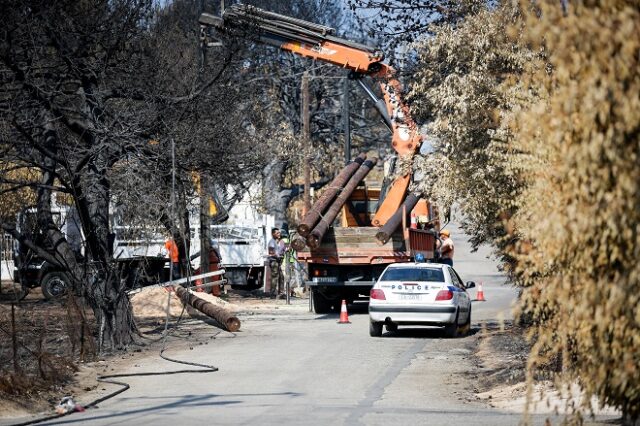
(110, 303)
(56, 243)
(184, 241)
(274, 202)
(105, 290)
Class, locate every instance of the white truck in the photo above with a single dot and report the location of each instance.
(140, 260)
(31, 271)
(242, 244)
(140, 253)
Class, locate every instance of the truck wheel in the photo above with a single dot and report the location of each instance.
(451, 330)
(336, 304)
(252, 284)
(55, 285)
(321, 305)
(375, 329)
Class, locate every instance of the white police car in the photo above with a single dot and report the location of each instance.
(428, 294)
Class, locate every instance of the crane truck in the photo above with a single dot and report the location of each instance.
(371, 229)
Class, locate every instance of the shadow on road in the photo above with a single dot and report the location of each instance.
(181, 401)
(425, 333)
(356, 308)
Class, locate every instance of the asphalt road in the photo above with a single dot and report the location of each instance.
(290, 366)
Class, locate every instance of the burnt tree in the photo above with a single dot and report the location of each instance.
(92, 96)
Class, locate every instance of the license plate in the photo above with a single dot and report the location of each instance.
(409, 297)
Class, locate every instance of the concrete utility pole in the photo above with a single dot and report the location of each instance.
(306, 137)
(345, 120)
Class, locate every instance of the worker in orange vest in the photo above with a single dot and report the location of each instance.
(174, 258)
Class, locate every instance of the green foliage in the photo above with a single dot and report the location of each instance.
(459, 89)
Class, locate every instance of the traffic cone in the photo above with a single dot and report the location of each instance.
(344, 317)
(480, 294)
(414, 221)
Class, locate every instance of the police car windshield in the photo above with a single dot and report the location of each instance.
(413, 274)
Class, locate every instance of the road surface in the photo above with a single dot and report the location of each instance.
(289, 366)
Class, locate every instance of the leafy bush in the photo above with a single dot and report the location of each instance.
(465, 88)
(580, 213)
(537, 113)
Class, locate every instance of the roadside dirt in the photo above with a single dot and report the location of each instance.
(501, 356)
(47, 345)
(43, 346)
(501, 353)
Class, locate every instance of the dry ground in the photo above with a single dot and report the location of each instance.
(500, 373)
(43, 346)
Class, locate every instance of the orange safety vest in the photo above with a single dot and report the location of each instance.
(172, 248)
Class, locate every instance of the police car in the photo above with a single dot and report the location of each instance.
(429, 294)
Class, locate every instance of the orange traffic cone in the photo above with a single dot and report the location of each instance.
(344, 317)
(480, 294)
(414, 221)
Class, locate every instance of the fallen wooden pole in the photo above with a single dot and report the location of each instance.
(226, 320)
(337, 184)
(384, 233)
(315, 237)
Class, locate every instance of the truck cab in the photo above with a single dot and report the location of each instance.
(242, 242)
(31, 271)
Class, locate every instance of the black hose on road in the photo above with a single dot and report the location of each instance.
(125, 386)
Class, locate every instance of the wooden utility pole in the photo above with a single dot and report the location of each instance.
(345, 120)
(306, 138)
(205, 225)
(203, 191)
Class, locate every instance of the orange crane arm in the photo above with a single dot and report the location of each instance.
(318, 42)
(294, 35)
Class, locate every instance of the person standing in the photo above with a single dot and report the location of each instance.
(447, 214)
(446, 247)
(276, 248)
(174, 258)
(291, 269)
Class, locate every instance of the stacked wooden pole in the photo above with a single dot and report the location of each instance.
(315, 237)
(324, 211)
(311, 218)
(385, 232)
